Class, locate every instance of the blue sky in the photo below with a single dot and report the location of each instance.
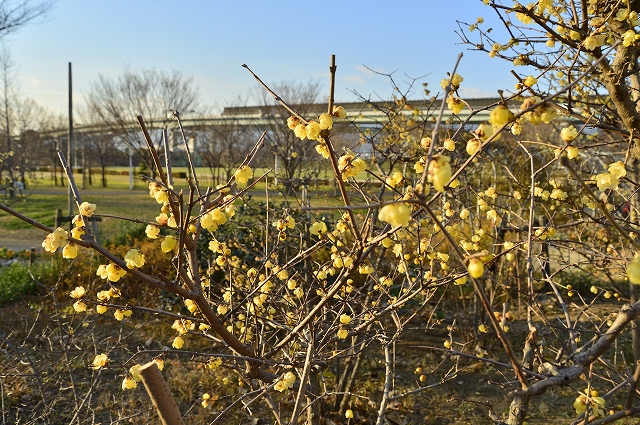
(279, 40)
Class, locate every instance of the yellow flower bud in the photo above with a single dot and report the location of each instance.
(475, 268)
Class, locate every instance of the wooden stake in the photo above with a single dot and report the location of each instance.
(160, 395)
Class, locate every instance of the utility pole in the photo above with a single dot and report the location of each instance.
(70, 157)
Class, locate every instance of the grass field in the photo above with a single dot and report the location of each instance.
(118, 177)
(42, 198)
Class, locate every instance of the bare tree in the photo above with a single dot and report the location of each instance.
(290, 154)
(21, 122)
(224, 145)
(15, 14)
(153, 94)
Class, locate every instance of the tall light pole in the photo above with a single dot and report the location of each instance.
(70, 145)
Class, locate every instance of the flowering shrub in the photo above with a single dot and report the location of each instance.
(500, 209)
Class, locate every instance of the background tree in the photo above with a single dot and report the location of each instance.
(15, 14)
(223, 146)
(152, 94)
(290, 154)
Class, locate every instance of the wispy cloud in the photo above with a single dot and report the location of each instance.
(36, 82)
(362, 75)
(476, 92)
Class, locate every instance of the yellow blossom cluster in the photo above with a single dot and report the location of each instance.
(349, 166)
(398, 214)
(456, 80)
(286, 382)
(158, 192)
(212, 219)
(595, 403)
(313, 129)
(243, 174)
(79, 306)
(55, 240)
(395, 179)
(282, 225)
(545, 113)
(110, 271)
(611, 178)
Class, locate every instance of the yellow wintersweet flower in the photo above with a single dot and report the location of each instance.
(114, 272)
(159, 363)
(168, 244)
(350, 166)
(345, 319)
(101, 309)
(395, 179)
(323, 150)
(101, 360)
(440, 172)
(365, 269)
(218, 216)
(594, 41)
(119, 315)
(55, 240)
(191, 305)
(596, 404)
(318, 228)
(205, 399)
(326, 122)
(475, 268)
(473, 145)
(530, 81)
(78, 292)
(87, 209)
(500, 115)
(243, 174)
(134, 372)
(80, 306)
(77, 232)
(524, 18)
(128, 383)
(629, 38)
(293, 122)
(633, 271)
(343, 333)
(455, 104)
(568, 134)
(348, 414)
(152, 231)
(449, 144)
(340, 112)
(182, 326)
(617, 170)
(178, 343)
(102, 271)
(214, 362)
(300, 131)
(572, 152)
(134, 258)
(397, 214)
(313, 130)
(455, 82)
(606, 181)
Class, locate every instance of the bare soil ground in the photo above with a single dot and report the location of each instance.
(45, 352)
